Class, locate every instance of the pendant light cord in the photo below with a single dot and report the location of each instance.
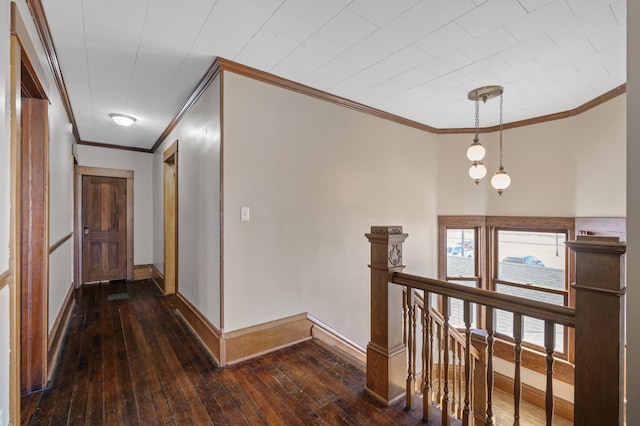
(477, 138)
(501, 168)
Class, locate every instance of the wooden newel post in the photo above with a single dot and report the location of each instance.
(599, 338)
(479, 341)
(386, 351)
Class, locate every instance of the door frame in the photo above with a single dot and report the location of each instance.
(21, 53)
(34, 255)
(170, 203)
(102, 172)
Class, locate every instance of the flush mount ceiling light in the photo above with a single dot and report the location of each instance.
(122, 119)
(476, 151)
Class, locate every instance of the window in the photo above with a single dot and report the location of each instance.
(519, 256)
(461, 263)
(531, 265)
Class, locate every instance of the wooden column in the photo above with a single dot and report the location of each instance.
(599, 337)
(386, 352)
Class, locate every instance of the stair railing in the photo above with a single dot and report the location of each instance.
(597, 319)
(434, 376)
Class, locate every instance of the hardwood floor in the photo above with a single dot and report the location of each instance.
(133, 362)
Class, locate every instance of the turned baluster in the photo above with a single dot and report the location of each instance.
(549, 346)
(517, 380)
(460, 379)
(440, 361)
(427, 358)
(411, 343)
(490, 339)
(446, 403)
(454, 375)
(405, 324)
(467, 364)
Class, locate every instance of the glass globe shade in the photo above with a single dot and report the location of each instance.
(477, 171)
(475, 152)
(500, 181)
(122, 119)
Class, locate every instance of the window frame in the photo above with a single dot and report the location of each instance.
(486, 267)
(477, 223)
(565, 225)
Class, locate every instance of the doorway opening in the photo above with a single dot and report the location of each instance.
(171, 219)
(29, 228)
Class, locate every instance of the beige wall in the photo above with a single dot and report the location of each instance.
(60, 187)
(633, 210)
(142, 165)
(316, 177)
(198, 134)
(4, 209)
(570, 167)
(60, 206)
(5, 139)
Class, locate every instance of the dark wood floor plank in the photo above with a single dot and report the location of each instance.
(29, 404)
(170, 371)
(197, 366)
(49, 410)
(134, 362)
(142, 378)
(262, 381)
(115, 404)
(89, 358)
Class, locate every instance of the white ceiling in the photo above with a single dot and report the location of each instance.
(415, 59)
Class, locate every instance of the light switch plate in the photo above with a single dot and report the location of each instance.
(244, 214)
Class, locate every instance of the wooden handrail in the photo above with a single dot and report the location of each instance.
(531, 308)
(598, 320)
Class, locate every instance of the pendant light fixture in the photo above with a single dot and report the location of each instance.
(476, 151)
(501, 179)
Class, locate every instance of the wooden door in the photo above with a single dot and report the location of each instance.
(104, 228)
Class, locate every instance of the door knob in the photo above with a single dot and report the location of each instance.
(86, 230)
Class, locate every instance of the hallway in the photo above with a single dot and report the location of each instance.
(132, 361)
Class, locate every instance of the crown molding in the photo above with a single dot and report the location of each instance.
(113, 146)
(227, 65)
(256, 74)
(200, 88)
(613, 93)
(220, 64)
(40, 20)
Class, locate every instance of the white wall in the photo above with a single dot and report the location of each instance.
(316, 177)
(142, 165)
(633, 210)
(4, 208)
(61, 199)
(5, 139)
(4, 356)
(570, 167)
(599, 144)
(60, 206)
(198, 135)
